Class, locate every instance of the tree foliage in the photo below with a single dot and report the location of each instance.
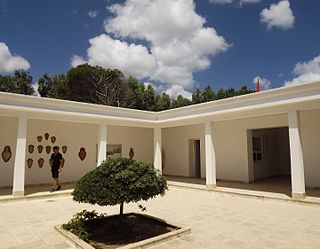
(119, 181)
(20, 82)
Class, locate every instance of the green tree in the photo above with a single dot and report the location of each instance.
(244, 90)
(150, 98)
(180, 102)
(134, 94)
(230, 92)
(53, 86)
(20, 82)
(119, 181)
(208, 94)
(221, 94)
(96, 85)
(196, 96)
(164, 102)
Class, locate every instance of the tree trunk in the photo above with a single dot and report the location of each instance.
(121, 208)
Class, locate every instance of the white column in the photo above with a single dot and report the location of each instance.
(157, 148)
(297, 168)
(20, 158)
(102, 143)
(210, 156)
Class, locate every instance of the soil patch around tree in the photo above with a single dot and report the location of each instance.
(119, 230)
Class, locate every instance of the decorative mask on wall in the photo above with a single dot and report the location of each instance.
(48, 149)
(40, 162)
(31, 148)
(40, 148)
(64, 149)
(82, 153)
(131, 153)
(46, 136)
(53, 139)
(29, 163)
(6, 154)
(39, 138)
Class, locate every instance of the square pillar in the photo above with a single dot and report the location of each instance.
(20, 158)
(210, 156)
(102, 143)
(157, 148)
(297, 167)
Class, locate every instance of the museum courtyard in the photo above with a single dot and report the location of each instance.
(218, 220)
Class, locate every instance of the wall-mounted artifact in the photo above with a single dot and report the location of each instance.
(6, 153)
(40, 148)
(131, 153)
(29, 163)
(64, 149)
(46, 136)
(31, 148)
(82, 153)
(41, 162)
(39, 138)
(48, 149)
(53, 139)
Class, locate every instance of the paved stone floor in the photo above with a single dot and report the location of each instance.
(217, 220)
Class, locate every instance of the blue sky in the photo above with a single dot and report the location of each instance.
(177, 45)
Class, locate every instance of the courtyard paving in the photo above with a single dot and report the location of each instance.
(217, 220)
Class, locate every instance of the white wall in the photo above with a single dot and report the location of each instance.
(8, 137)
(73, 135)
(310, 137)
(175, 146)
(140, 139)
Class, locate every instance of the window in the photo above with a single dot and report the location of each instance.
(257, 149)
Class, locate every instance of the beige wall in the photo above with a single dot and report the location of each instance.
(175, 147)
(8, 137)
(310, 137)
(73, 135)
(140, 139)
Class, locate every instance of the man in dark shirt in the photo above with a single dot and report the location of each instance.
(56, 163)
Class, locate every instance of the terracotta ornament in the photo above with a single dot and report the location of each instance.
(131, 153)
(6, 154)
(48, 149)
(29, 163)
(39, 138)
(31, 148)
(64, 149)
(40, 148)
(46, 136)
(40, 162)
(82, 153)
(53, 139)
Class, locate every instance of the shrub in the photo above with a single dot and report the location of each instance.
(119, 181)
(78, 224)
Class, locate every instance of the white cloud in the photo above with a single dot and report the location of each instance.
(174, 42)
(249, 1)
(264, 83)
(278, 15)
(93, 13)
(176, 90)
(107, 52)
(306, 72)
(220, 1)
(10, 62)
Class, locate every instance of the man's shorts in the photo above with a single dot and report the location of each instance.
(55, 172)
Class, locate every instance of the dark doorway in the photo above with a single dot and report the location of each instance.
(194, 158)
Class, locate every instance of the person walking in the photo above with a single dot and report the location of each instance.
(56, 163)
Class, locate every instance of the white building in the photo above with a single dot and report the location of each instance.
(244, 138)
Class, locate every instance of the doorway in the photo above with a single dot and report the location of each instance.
(194, 158)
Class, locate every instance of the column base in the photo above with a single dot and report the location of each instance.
(17, 193)
(298, 196)
(211, 186)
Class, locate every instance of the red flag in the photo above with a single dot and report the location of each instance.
(258, 86)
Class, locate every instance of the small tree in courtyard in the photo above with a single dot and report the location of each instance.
(119, 181)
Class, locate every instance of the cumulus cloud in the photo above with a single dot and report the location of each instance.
(249, 1)
(264, 83)
(240, 2)
(176, 90)
(93, 13)
(306, 72)
(169, 42)
(220, 1)
(278, 15)
(10, 62)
